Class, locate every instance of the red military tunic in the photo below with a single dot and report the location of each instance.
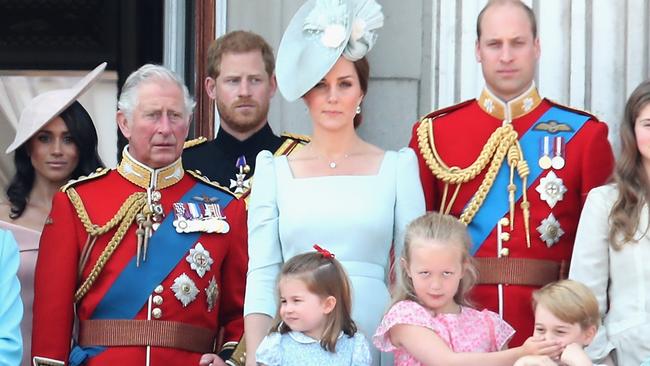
(460, 133)
(187, 296)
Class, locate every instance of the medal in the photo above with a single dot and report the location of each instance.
(550, 230)
(240, 183)
(199, 259)
(212, 292)
(558, 155)
(545, 159)
(184, 289)
(551, 189)
(191, 217)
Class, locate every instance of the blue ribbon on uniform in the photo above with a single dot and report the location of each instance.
(132, 288)
(496, 204)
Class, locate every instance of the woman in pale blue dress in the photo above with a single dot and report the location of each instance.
(338, 191)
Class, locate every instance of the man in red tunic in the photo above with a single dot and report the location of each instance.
(148, 259)
(515, 167)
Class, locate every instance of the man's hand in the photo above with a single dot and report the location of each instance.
(210, 359)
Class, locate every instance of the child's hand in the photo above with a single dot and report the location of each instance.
(574, 355)
(535, 361)
(539, 346)
(210, 359)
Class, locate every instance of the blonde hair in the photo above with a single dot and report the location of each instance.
(570, 301)
(323, 276)
(443, 229)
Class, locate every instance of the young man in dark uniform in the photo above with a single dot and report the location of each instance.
(242, 82)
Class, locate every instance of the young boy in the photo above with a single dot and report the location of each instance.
(566, 311)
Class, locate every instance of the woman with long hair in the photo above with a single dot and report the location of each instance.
(612, 248)
(55, 141)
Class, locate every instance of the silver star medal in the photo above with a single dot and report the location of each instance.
(212, 292)
(199, 259)
(551, 189)
(550, 230)
(241, 184)
(184, 289)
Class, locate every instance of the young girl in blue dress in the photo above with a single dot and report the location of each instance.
(313, 325)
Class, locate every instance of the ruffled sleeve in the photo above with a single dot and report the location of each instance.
(11, 307)
(361, 354)
(409, 202)
(264, 250)
(590, 259)
(502, 331)
(407, 313)
(269, 352)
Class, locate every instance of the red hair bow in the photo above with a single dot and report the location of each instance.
(324, 252)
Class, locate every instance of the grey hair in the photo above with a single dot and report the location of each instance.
(148, 73)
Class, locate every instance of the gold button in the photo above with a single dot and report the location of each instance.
(505, 252)
(156, 312)
(159, 289)
(505, 236)
(158, 300)
(504, 221)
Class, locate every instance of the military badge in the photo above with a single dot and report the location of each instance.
(190, 217)
(552, 127)
(184, 289)
(212, 292)
(550, 230)
(240, 183)
(545, 161)
(199, 259)
(551, 189)
(557, 162)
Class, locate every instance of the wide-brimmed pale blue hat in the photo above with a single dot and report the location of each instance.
(319, 33)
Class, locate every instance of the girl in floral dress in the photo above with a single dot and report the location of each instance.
(314, 324)
(431, 321)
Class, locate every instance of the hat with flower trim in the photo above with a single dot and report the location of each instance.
(319, 33)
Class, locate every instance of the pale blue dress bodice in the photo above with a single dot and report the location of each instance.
(298, 349)
(358, 218)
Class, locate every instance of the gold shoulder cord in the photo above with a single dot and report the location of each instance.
(124, 218)
(503, 142)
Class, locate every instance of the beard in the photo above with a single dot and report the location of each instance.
(243, 121)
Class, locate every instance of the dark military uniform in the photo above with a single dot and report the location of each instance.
(157, 301)
(217, 159)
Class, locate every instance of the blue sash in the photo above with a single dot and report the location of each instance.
(496, 204)
(134, 285)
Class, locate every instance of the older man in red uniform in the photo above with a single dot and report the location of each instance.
(149, 260)
(516, 168)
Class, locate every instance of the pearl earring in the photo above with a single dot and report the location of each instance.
(358, 109)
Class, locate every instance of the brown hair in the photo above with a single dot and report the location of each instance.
(570, 301)
(629, 175)
(442, 229)
(529, 12)
(362, 66)
(239, 42)
(324, 277)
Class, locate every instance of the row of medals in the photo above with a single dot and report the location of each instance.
(184, 288)
(551, 188)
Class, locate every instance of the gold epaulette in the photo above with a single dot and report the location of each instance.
(198, 175)
(573, 109)
(291, 143)
(96, 174)
(194, 142)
